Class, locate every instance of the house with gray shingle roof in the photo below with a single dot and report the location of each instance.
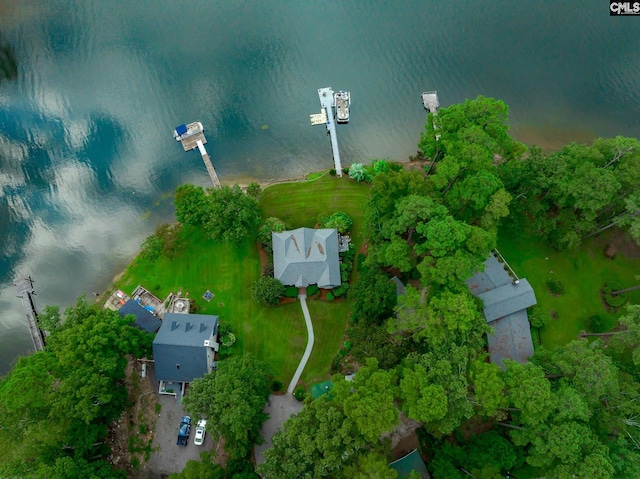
(184, 349)
(306, 256)
(505, 301)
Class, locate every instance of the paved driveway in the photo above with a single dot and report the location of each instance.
(279, 409)
(170, 457)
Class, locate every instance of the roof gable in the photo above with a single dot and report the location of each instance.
(179, 349)
(507, 299)
(307, 256)
(505, 309)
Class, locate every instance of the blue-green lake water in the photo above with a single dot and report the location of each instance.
(88, 164)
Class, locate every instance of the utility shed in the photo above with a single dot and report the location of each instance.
(505, 300)
(306, 256)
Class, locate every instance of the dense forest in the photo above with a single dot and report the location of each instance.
(571, 412)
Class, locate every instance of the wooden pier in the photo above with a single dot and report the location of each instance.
(326, 113)
(430, 101)
(207, 163)
(24, 287)
(192, 136)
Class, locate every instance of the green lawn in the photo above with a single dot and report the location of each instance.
(582, 271)
(329, 321)
(299, 204)
(275, 334)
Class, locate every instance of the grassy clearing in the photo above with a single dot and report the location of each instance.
(582, 271)
(329, 321)
(299, 204)
(277, 335)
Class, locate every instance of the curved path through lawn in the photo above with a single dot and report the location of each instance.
(307, 351)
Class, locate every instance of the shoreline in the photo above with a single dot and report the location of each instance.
(264, 184)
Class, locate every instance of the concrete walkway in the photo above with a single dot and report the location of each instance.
(307, 351)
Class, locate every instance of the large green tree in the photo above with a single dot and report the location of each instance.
(233, 396)
(317, 442)
(58, 403)
(232, 215)
(368, 400)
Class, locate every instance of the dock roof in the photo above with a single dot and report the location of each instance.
(144, 319)
(306, 256)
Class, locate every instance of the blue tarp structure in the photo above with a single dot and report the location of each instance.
(181, 129)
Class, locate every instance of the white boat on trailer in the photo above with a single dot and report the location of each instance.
(341, 103)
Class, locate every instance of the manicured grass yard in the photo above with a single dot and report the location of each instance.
(299, 204)
(582, 271)
(275, 334)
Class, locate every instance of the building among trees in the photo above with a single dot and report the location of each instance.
(506, 300)
(306, 256)
(184, 349)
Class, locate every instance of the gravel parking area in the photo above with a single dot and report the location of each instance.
(169, 457)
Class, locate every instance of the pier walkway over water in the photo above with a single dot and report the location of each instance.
(24, 287)
(327, 104)
(192, 136)
(207, 162)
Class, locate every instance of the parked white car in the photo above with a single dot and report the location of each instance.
(201, 431)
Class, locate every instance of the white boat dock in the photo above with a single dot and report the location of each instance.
(430, 101)
(192, 136)
(326, 113)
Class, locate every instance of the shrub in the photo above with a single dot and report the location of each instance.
(267, 290)
(345, 271)
(596, 324)
(313, 289)
(339, 220)
(152, 247)
(271, 224)
(341, 290)
(300, 394)
(291, 292)
(276, 385)
(330, 296)
(613, 301)
(538, 317)
(555, 286)
(332, 172)
(254, 190)
(357, 172)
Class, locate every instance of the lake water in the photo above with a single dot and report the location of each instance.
(87, 162)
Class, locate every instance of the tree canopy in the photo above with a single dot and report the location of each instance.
(234, 395)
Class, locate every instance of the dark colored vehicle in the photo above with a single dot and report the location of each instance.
(184, 430)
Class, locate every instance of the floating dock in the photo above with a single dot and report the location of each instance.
(24, 287)
(327, 103)
(192, 136)
(430, 101)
